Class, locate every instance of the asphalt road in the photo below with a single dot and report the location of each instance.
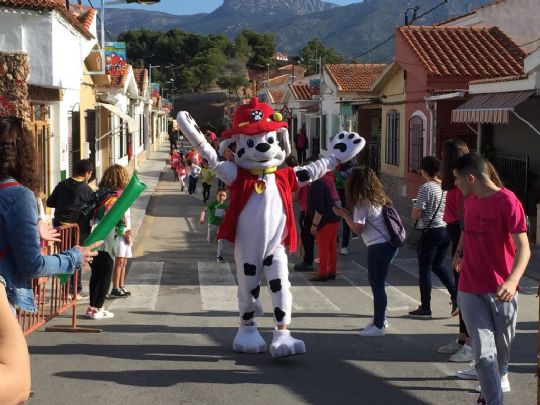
(170, 343)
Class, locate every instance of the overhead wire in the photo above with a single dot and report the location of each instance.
(393, 35)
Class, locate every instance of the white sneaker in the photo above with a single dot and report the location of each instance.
(344, 251)
(463, 355)
(102, 314)
(467, 374)
(505, 384)
(372, 330)
(450, 348)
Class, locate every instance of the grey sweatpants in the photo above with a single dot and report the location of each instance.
(491, 324)
(212, 237)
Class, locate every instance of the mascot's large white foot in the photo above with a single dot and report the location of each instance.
(283, 344)
(249, 340)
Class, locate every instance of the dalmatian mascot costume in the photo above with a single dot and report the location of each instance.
(260, 219)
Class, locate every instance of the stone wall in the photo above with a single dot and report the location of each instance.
(13, 85)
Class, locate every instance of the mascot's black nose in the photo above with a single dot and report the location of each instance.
(262, 147)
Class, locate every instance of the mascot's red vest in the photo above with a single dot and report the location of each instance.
(240, 191)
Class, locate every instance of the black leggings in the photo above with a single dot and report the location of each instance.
(454, 230)
(100, 280)
(206, 191)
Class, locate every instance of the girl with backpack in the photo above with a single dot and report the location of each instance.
(367, 199)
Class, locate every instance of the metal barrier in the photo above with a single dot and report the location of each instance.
(52, 297)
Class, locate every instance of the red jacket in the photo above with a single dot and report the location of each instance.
(240, 191)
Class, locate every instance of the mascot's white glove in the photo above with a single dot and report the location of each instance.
(346, 145)
(226, 171)
(343, 147)
(190, 129)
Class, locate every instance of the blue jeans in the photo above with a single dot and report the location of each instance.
(431, 253)
(379, 258)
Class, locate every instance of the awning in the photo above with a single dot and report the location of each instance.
(131, 123)
(490, 108)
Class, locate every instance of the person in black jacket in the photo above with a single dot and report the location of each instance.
(68, 197)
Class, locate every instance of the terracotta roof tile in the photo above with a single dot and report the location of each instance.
(464, 52)
(52, 5)
(301, 91)
(141, 77)
(500, 79)
(276, 95)
(354, 78)
(276, 81)
(84, 14)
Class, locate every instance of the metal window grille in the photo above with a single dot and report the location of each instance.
(392, 138)
(416, 143)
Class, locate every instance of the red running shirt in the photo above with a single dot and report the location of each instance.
(488, 248)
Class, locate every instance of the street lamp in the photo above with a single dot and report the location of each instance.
(172, 97)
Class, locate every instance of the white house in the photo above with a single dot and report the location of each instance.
(57, 43)
(342, 86)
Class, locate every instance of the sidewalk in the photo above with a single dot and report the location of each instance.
(149, 173)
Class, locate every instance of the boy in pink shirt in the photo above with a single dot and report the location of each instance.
(492, 256)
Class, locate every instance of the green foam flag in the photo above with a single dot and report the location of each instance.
(109, 221)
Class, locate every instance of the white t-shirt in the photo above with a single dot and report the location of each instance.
(374, 227)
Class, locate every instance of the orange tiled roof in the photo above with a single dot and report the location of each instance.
(141, 77)
(464, 52)
(301, 91)
(57, 5)
(276, 81)
(473, 11)
(84, 14)
(276, 96)
(354, 77)
(500, 79)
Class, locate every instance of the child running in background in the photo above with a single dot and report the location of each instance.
(181, 171)
(194, 173)
(175, 158)
(217, 211)
(207, 176)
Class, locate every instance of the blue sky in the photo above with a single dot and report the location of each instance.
(185, 7)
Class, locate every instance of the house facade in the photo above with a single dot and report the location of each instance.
(438, 64)
(57, 44)
(506, 113)
(343, 88)
(516, 18)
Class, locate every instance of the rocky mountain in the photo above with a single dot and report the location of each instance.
(351, 30)
(273, 7)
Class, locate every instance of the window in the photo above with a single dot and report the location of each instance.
(416, 142)
(122, 150)
(324, 125)
(392, 138)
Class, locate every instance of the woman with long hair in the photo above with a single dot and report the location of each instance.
(428, 212)
(114, 180)
(452, 150)
(21, 257)
(366, 197)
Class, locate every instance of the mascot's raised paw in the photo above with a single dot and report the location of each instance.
(283, 344)
(346, 145)
(249, 340)
(190, 128)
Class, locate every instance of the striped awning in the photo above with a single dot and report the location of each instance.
(490, 108)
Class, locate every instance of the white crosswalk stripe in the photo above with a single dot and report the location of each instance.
(218, 292)
(144, 280)
(218, 287)
(397, 299)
